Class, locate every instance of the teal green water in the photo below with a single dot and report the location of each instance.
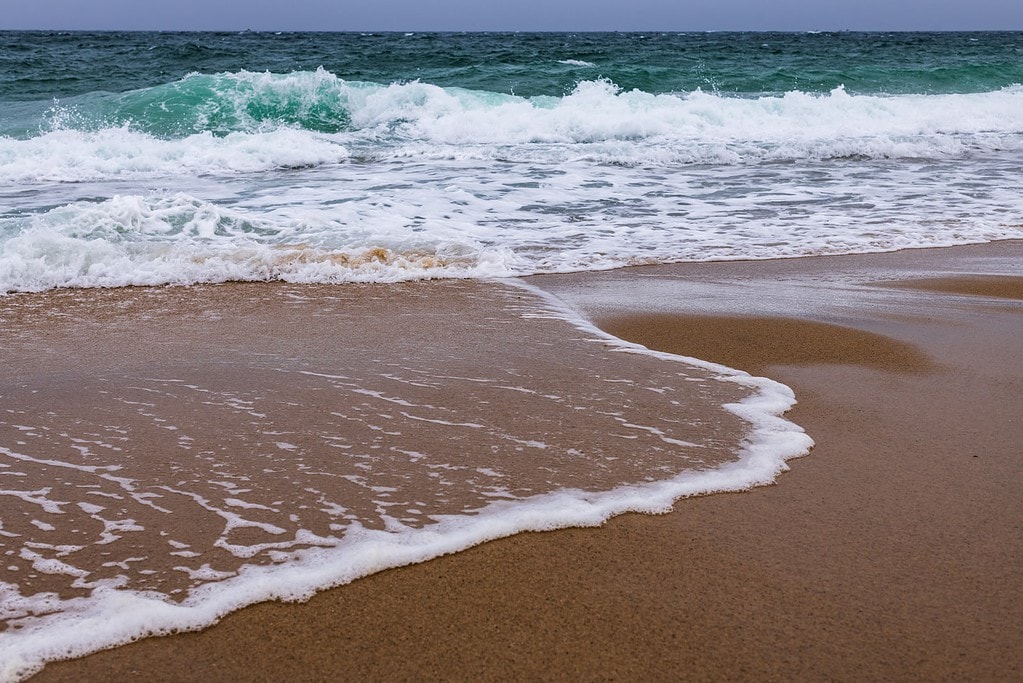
(90, 70)
(40, 67)
(45, 65)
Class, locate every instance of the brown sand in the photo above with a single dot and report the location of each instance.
(755, 343)
(894, 551)
(244, 415)
(1004, 286)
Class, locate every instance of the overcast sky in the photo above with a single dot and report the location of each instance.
(513, 15)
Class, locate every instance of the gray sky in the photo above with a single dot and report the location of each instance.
(513, 15)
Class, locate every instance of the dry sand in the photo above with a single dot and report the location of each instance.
(894, 551)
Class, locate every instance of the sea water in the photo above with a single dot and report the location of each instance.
(150, 158)
(145, 494)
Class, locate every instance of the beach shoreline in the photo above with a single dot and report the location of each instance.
(892, 552)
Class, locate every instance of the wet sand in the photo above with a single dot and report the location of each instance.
(894, 551)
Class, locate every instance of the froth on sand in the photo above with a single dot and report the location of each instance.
(892, 552)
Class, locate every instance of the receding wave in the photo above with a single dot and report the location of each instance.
(246, 463)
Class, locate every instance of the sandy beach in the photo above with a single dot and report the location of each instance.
(894, 551)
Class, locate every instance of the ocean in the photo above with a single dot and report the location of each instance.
(171, 454)
(150, 158)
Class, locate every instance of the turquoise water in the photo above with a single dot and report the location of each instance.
(148, 158)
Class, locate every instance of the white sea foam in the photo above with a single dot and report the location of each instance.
(304, 562)
(76, 156)
(699, 127)
(135, 240)
(496, 224)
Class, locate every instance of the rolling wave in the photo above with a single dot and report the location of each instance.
(248, 122)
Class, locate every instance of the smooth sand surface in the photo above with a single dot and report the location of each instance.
(894, 551)
(1005, 286)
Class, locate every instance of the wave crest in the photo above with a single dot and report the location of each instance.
(416, 119)
(220, 104)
